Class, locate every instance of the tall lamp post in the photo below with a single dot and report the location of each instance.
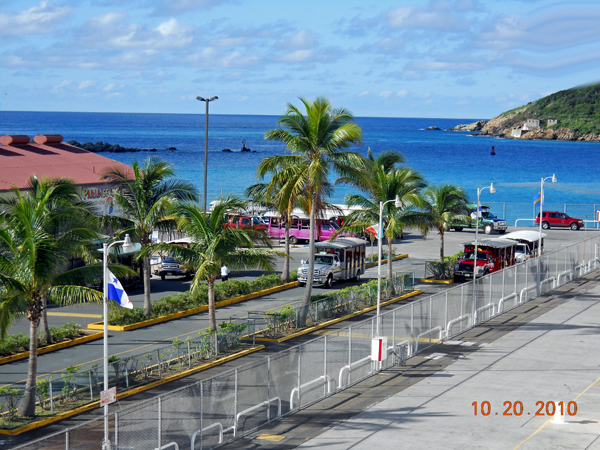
(207, 100)
(398, 204)
(553, 178)
(127, 247)
(477, 214)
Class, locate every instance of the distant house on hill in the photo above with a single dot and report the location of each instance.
(552, 122)
(531, 124)
(47, 156)
(516, 132)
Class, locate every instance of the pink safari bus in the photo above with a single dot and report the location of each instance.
(300, 229)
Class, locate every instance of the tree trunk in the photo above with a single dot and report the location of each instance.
(26, 406)
(211, 303)
(285, 276)
(146, 274)
(441, 245)
(303, 313)
(45, 327)
(390, 268)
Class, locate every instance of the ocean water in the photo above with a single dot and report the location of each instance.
(441, 157)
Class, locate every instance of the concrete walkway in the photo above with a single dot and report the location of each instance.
(552, 358)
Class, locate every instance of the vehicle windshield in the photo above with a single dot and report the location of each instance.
(320, 259)
(480, 256)
(522, 248)
(487, 215)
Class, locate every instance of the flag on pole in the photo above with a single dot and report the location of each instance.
(537, 198)
(374, 230)
(116, 292)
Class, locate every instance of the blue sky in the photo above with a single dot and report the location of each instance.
(455, 59)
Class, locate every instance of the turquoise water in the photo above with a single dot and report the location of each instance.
(442, 157)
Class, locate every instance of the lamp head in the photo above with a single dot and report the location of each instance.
(127, 245)
(553, 178)
(492, 188)
(202, 99)
(213, 98)
(398, 202)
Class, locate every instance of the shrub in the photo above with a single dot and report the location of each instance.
(17, 343)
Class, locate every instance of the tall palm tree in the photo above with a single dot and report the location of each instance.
(383, 180)
(40, 231)
(145, 201)
(444, 205)
(213, 244)
(316, 141)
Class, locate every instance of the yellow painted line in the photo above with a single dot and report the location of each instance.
(89, 406)
(270, 437)
(333, 321)
(549, 420)
(431, 280)
(51, 348)
(94, 316)
(189, 312)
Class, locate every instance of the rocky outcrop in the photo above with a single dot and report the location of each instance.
(476, 126)
(432, 128)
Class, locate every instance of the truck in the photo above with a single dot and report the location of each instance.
(488, 222)
(337, 260)
(528, 242)
(492, 255)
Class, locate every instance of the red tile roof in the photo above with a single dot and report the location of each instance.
(50, 160)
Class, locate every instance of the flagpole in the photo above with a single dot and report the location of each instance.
(127, 245)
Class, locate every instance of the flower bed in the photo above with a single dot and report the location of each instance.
(18, 343)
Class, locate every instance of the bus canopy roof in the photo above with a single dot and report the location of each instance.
(493, 243)
(524, 235)
(341, 243)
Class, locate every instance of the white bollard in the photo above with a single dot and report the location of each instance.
(558, 417)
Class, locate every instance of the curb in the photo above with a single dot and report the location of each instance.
(53, 347)
(431, 280)
(96, 404)
(189, 312)
(333, 321)
(394, 258)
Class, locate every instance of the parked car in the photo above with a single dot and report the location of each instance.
(488, 222)
(170, 266)
(246, 222)
(558, 219)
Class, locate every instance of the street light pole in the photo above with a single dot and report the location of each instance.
(477, 213)
(127, 247)
(553, 178)
(398, 204)
(207, 100)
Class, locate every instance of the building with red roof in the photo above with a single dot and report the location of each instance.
(48, 157)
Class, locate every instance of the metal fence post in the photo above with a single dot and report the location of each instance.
(159, 420)
(116, 430)
(51, 398)
(446, 315)
(412, 320)
(349, 352)
(91, 390)
(462, 300)
(299, 366)
(325, 386)
(189, 355)
(67, 439)
(268, 388)
(158, 360)
(235, 395)
(202, 409)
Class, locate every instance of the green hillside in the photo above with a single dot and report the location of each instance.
(577, 109)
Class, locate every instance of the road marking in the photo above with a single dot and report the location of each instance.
(94, 316)
(552, 418)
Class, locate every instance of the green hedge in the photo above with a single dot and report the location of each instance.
(183, 301)
(17, 343)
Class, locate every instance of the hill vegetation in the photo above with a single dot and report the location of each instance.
(577, 109)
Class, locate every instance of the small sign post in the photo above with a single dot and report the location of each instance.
(109, 396)
(379, 348)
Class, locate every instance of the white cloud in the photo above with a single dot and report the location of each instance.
(35, 20)
(297, 56)
(364, 93)
(386, 94)
(109, 87)
(86, 84)
(435, 15)
(403, 93)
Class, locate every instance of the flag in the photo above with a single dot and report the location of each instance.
(374, 230)
(537, 198)
(116, 292)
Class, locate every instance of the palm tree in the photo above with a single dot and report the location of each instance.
(383, 180)
(145, 200)
(213, 244)
(39, 232)
(444, 205)
(316, 142)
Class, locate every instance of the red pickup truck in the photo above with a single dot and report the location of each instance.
(492, 255)
(246, 222)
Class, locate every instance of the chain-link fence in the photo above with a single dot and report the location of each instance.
(239, 400)
(76, 388)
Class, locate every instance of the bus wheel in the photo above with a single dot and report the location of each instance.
(293, 240)
(162, 277)
(357, 277)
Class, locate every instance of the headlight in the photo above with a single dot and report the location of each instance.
(322, 271)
